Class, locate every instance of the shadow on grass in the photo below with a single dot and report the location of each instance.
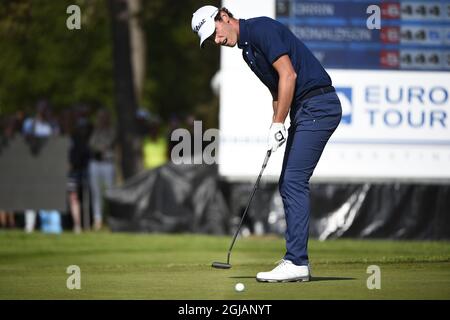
(312, 278)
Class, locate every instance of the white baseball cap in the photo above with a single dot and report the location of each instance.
(203, 22)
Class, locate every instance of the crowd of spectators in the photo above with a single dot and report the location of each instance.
(90, 162)
(91, 159)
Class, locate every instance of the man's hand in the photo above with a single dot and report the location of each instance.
(277, 136)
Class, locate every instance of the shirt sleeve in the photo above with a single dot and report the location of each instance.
(267, 36)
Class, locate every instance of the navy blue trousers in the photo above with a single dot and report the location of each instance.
(313, 121)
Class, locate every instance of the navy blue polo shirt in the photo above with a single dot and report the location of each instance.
(263, 40)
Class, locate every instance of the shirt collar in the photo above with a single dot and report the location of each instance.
(243, 34)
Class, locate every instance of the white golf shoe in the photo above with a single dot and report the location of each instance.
(284, 272)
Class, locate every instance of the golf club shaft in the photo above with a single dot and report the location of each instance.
(269, 152)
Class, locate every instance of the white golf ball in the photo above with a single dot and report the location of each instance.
(239, 287)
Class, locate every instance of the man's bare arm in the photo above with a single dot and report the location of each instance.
(275, 107)
(286, 87)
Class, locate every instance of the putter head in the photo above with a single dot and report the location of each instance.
(221, 265)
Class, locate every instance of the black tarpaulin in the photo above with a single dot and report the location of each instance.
(189, 198)
(384, 210)
(171, 198)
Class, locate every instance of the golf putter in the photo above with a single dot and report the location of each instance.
(222, 265)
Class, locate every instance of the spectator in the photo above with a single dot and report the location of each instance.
(174, 124)
(40, 126)
(155, 145)
(78, 162)
(8, 131)
(7, 219)
(101, 165)
(19, 118)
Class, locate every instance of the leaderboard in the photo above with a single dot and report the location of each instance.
(412, 34)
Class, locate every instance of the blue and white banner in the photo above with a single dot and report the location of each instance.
(393, 107)
(395, 125)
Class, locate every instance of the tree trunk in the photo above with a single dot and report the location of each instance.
(138, 47)
(125, 98)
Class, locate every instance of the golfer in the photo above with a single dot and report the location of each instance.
(301, 88)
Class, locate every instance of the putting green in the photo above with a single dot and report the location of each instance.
(154, 266)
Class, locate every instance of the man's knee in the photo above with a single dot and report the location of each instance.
(293, 183)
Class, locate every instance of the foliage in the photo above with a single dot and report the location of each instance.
(179, 72)
(41, 58)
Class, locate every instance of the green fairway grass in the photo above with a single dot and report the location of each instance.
(154, 266)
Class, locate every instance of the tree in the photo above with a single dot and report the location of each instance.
(124, 92)
(138, 46)
(40, 57)
(178, 71)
